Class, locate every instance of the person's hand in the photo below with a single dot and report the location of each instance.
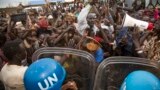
(135, 33)
(54, 35)
(9, 24)
(71, 43)
(43, 45)
(71, 85)
(71, 27)
(104, 9)
(124, 40)
(136, 37)
(107, 22)
(49, 27)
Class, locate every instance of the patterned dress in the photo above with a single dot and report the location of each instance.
(152, 49)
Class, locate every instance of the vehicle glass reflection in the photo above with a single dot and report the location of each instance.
(78, 68)
(114, 74)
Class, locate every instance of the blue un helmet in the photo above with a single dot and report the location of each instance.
(141, 80)
(44, 74)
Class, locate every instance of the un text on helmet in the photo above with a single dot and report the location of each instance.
(49, 81)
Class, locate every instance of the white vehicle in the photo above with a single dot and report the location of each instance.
(36, 8)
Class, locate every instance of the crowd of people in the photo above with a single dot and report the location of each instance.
(97, 28)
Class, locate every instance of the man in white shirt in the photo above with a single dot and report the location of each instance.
(86, 20)
(12, 72)
(12, 77)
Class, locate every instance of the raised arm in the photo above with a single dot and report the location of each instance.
(143, 38)
(83, 14)
(82, 21)
(61, 35)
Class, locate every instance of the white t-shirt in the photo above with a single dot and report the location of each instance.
(109, 28)
(12, 77)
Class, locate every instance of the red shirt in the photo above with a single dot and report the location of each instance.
(43, 23)
(97, 38)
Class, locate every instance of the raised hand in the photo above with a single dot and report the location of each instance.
(71, 85)
(135, 33)
(71, 43)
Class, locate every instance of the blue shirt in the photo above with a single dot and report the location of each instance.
(127, 50)
(99, 55)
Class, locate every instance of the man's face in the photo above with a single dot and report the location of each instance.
(69, 20)
(91, 19)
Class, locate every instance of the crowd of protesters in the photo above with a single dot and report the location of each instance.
(94, 27)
